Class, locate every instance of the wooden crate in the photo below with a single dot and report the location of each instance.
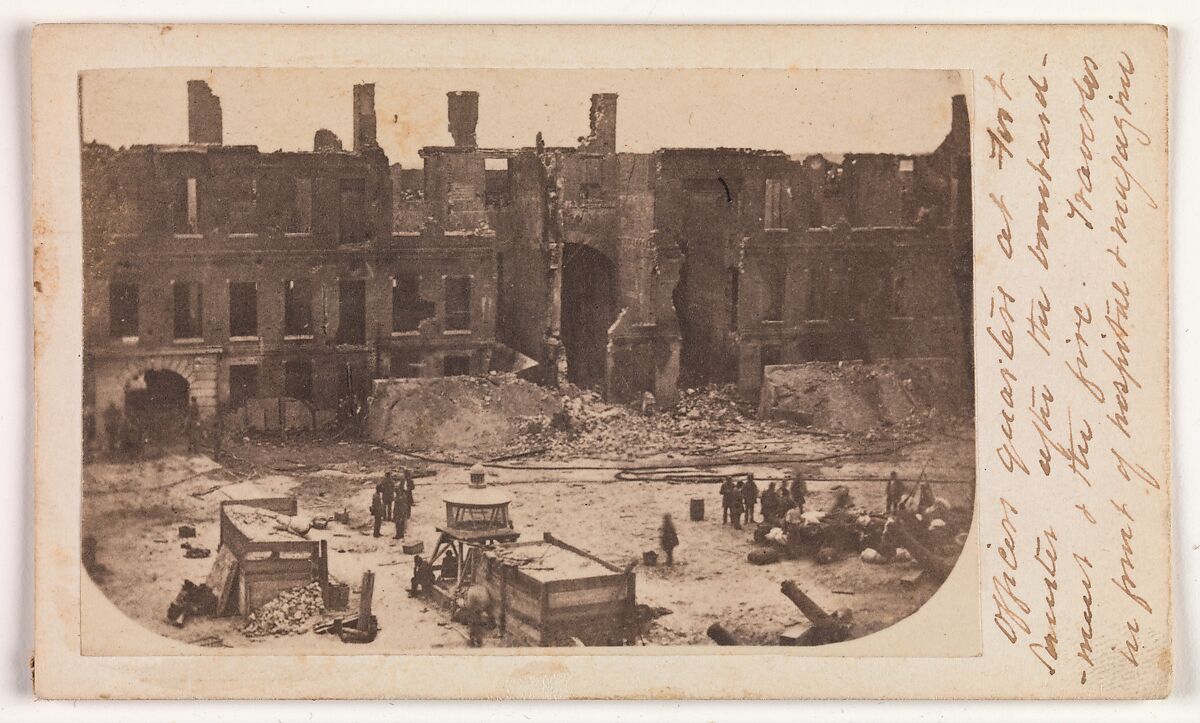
(596, 609)
(266, 568)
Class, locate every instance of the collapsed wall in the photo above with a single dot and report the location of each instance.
(855, 396)
(477, 416)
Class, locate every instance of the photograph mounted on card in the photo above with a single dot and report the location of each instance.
(492, 369)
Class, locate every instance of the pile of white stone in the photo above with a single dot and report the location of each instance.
(288, 614)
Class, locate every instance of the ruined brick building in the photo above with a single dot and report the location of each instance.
(224, 274)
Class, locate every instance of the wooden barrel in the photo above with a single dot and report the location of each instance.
(697, 509)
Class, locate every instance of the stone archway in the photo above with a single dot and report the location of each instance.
(115, 376)
(136, 369)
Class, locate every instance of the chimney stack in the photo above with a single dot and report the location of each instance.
(960, 119)
(364, 117)
(463, 110)
(204, 114)
(603, 120)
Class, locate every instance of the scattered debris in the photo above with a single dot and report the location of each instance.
(192, 600)
(187, 531)
(195, 551)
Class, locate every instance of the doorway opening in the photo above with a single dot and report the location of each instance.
(588, 310)
(157, 411)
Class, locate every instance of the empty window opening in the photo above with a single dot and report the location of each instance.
(816, 212)
(298, 379)
(188, 310)
(408, 308)
(187, 207)
(458, 303)
(406, 363)
(775, 280)
(243, 309)
(300, 220)
(122, 310)
(243, 205)
(352, 211)
(773, 204)
(352, 311)
(835, 178)
(297, 308)
(456, 365)
(409, 184)
(243, 384)
(498, 182)
(592, 186)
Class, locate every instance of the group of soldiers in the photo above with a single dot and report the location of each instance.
(738, 500)
(393, 501)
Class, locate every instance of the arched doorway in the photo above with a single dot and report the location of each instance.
(588, 310)
(156, 405)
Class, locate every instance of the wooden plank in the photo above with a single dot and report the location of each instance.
(222, 577)
(523, 603)
(578, 612)
(524, 581)
(580, 551)
(588, 596)
(586, 583)
(523, 631)
(595, 631)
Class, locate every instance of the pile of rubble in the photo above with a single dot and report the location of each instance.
(863, 397)
(590, 427)
(289, 613)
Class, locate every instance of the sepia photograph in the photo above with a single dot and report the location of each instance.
(391, 360)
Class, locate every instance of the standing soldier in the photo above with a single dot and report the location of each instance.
(388, 489)
(401, 511)
(895, 489)
(736, 506)
(770, 503)
(726, 496)
(192, 426)
(799, 491)
(750, 496)
(377, 509)
(669, 538)
(409, 486)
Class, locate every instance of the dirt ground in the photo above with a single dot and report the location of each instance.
(134, 510)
